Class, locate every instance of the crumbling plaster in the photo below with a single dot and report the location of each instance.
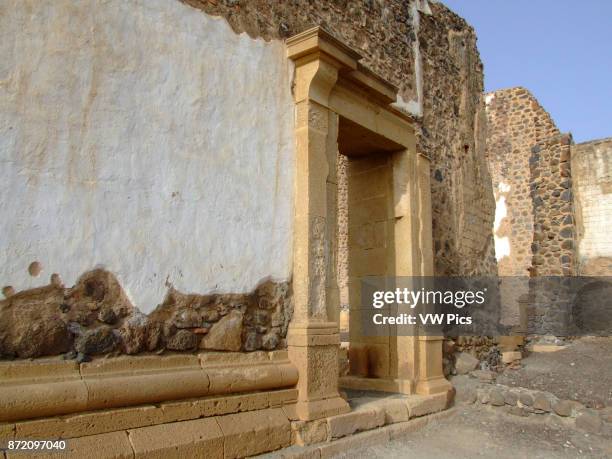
(146, 138)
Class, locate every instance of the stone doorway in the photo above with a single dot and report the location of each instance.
(366, 238)
(343, 108)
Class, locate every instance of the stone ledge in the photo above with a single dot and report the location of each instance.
(198, 438)
(359, 440)
(231, 436)
(254, 432)
(367, 415)
(34, 389)
(98, 422)
(109, 445)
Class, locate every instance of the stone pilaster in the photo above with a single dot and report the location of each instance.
(312, 340)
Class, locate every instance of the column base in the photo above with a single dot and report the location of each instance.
(433, 386)
(313, 349)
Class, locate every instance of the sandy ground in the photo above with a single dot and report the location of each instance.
(582, 372)
(476, 431)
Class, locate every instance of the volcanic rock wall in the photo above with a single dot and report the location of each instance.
(553, 245)
(516, 123)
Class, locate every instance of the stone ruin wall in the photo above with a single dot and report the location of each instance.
(592, 183)
(453, 135)
(516, 124)
(553, 245)
(552, 195)
(426, 50)
(552, 209)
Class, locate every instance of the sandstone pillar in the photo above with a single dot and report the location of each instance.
(312, 340)
(431, 378)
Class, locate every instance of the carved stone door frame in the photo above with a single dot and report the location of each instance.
(329, 83)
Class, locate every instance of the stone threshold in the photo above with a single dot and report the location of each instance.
(248, 433)
(375, 436)
(375, 417)
(52, 387)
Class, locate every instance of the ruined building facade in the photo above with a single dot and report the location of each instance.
(552, 195)
(180, 179)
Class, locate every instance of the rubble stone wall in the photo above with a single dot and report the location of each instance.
(453, 135)
(516, 123)
(553, 245)
(95, 317)
(592, 183)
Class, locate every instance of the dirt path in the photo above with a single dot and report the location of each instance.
(480, 432)
(581, 372)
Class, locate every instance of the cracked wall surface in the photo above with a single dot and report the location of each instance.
(147, 139)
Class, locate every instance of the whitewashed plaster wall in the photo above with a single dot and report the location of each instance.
(592, 182)
(145, 137)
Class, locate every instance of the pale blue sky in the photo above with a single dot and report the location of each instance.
(561, 50)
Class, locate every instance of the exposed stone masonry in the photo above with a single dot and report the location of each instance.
(553, 213)
(95, 317)
(453, 135)
(516, 123)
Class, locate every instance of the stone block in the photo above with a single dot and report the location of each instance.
(484, 375)
(511, 356)
(130, 389)
(546, 348)
(131, 364)
(41, 369)
(510, 343)
(279, 398)
(420, 405)
(525, 399)
(355, 421)
(510, 398)
(114, 445)
(255, 432)
(541, 402)
(225, 335)
(464, 363)
(198, 438)
(7, 432)
(27, 401)
(395, 411)
(496, 397)
(229, 404)
(563, 407)
(308, 432)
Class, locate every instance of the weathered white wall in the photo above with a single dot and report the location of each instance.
(145, 137)
(592, 183)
